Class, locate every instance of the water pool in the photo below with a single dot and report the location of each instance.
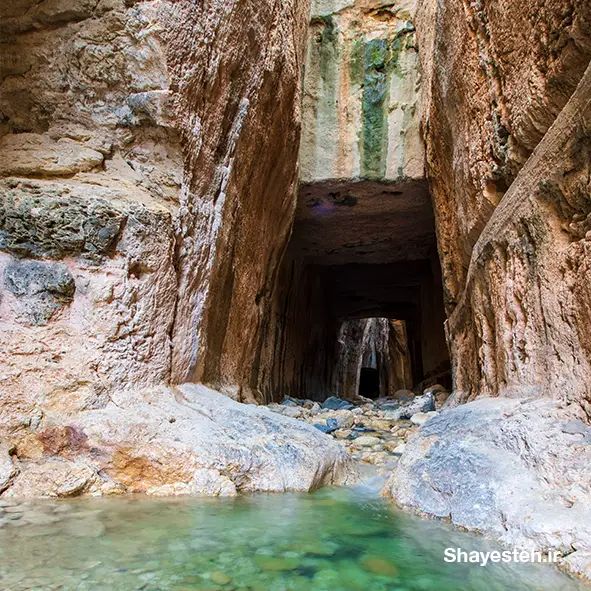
(334, 539)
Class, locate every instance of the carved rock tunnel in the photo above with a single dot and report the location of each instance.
(359, 250)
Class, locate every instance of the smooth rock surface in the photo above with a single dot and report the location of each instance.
(186, 440)
(503, 467)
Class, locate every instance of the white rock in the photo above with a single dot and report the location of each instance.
(422, 417)
(502, 466)
(366, 441)
(215, 446)
(399, 449)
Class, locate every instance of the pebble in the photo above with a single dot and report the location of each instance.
(366, 441)
(220, 578)
(379, 566)
(399, 450)
(273, 563)
(372, 433)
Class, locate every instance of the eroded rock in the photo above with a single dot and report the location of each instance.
(43, 288)
(187, 440)
(46, 220)
(503, 467)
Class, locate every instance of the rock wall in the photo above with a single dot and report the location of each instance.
(91, 170)
(148, 163)
(237, 69)
(360, 103)
(378, 343)
(510, 206)
(129, 193)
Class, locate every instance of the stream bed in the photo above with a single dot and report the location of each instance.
(335, 539)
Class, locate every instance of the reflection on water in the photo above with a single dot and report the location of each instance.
(335, 539)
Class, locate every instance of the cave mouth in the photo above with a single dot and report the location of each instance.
(369, 382)
(360, 251)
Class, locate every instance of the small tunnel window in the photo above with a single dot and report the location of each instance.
(369, 382)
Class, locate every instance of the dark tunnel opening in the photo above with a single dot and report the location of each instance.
(360, 251)
(369, 382)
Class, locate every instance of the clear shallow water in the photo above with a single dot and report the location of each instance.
(335, 539)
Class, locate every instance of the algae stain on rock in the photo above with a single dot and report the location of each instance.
(376, 63)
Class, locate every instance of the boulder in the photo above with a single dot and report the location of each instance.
(57, 477)
(423, 404)
(422, 417)
(183, 440)
(503, 467)
(330, 426)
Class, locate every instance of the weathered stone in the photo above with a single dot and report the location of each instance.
(45, 221)
(55, 478)
(366, 441)
(330, 426)
(503, 467)
(421, 418)
(334, 403)
(215, 446)
(360, 95)
(420, 404)
(29, 154)
(42, 288)
(576, 426)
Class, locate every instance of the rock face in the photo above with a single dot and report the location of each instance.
(378, 345)
(148, 161)
(139, 199)
(186, 440)
(505, 114)
(360, 104)
(506, 468)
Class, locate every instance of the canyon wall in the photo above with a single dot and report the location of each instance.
(238, 71)
(148, 168)
(505, 115)
(360, 100)
(139, 242)
(92, 168)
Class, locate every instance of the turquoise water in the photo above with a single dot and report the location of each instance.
(335, 539)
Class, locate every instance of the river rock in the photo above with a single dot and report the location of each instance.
(334, 403)
(220, 578)
(215, 446)
(366, 441)
(328, 427)
(422, 417)
(7, 468)
(425, 403)
(503, 467)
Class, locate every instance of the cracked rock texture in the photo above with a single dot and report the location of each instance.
(505, 118)
(507, 468)
(185, 440)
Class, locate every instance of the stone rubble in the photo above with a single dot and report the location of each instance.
(374, 432)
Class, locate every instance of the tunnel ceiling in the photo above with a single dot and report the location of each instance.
(363, 222)
(390, 290)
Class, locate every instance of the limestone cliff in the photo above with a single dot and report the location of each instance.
(148, 161)
(497, 77)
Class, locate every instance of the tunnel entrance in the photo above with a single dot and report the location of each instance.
(369, 382)
(361, 253)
